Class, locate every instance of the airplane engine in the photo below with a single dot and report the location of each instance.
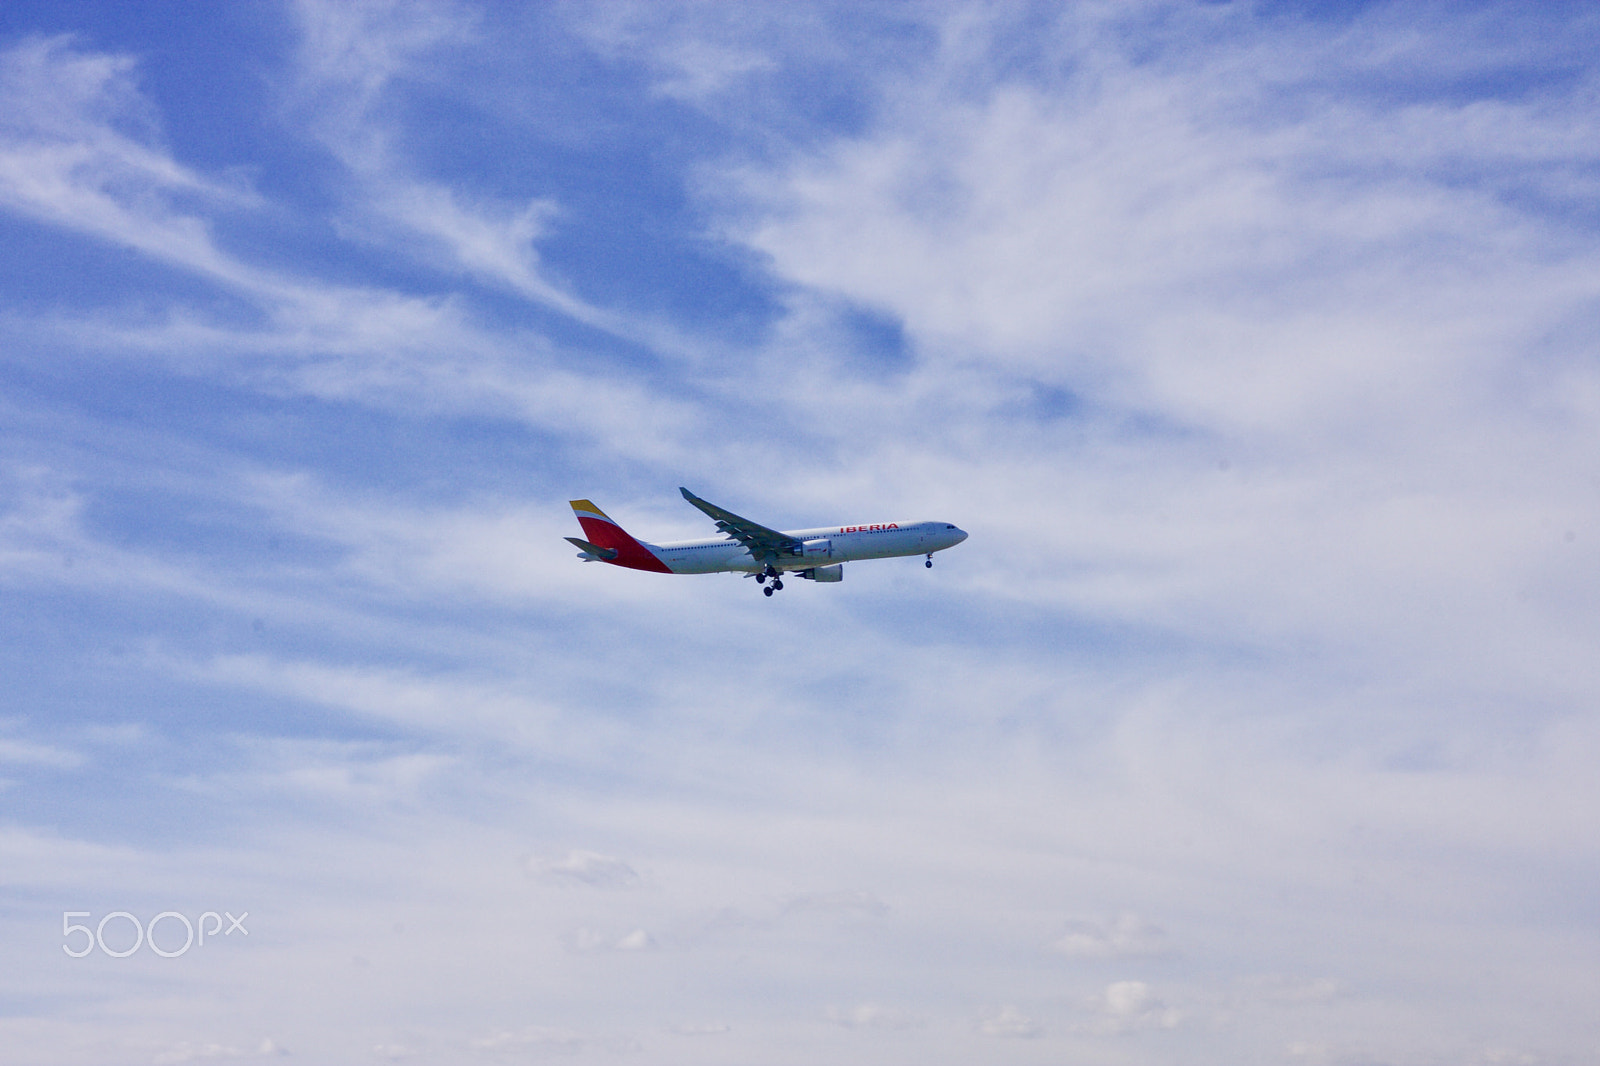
(824, 573)
(817, 549)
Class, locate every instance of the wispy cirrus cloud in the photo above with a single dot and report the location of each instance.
(83, 152)
(349, 58)
(1254, 349)
(1274, 308)
(79, 148)
(28, 753)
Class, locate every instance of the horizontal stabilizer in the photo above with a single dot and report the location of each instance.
(593, 551)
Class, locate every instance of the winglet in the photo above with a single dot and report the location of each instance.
(712, 511)
(715, 513)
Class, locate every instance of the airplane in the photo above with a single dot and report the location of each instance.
(755, 551)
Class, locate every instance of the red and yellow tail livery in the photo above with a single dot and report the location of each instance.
(615, 545)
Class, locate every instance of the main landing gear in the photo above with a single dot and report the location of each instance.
(777, 580)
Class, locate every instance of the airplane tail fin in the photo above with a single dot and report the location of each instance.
(610, 542)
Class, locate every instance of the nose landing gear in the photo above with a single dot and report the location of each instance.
(929, 563)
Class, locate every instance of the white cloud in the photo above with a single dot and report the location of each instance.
(1008, 1021)
(697, 53)
(1284, 989)
(586, 867)
(700, 1028)
(1288, 339)
(1128, 1005)
(638, 940)
(1133, 245)
(533, 1038)
(842, 902)
(1269, 609)
(1125, 936)
(362, 47)
(874, 1016)
(422, 702)
(73, 165)
(349, 58)
(587, 941)
(187, 1052)
(24, 752)
(345, 780)
(543, 1040)
(77, 151)
(42, 860)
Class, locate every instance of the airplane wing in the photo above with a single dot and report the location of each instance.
(763, 543)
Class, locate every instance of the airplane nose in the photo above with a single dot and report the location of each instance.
(961, 535)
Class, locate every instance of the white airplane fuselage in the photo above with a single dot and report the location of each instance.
(825, 546)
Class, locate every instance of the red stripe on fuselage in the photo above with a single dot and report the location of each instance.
(630, 553)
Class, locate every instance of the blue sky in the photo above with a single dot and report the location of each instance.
(1255, 345)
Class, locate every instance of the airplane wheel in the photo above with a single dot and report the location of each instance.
(767, 590)
(777, 584)
(929, 564)
(761, 579)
